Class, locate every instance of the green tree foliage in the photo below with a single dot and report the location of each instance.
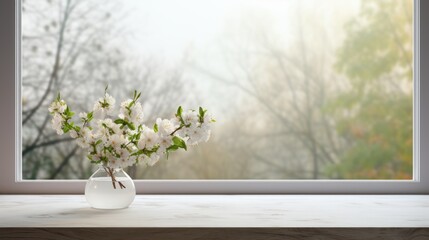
(374, 112)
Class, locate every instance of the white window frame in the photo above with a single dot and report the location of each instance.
(10, 138)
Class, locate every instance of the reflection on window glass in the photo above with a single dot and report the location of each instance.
(300, 89)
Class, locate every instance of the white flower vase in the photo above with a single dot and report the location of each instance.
(110, 188)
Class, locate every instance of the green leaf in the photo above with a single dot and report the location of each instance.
(104, 159)
(58, 97)
(77, 128)
(139, 152)
(68, 112)
(179, 142)
(179, 112)
(67, 127)
(96, 162)
(131, 126)
(90, 116)
(155, 127)
(172, 148)
(120, 121)
(202, 112)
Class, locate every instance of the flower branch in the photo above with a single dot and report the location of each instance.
(126, 140)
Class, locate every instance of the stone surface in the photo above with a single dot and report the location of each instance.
(220, 211)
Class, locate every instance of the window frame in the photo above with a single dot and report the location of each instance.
(11, 149)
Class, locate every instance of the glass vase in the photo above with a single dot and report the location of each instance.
(110, 188)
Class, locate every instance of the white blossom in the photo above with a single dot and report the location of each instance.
(86, 133)
(114, 162)
(190, 117)
(60, 131)
(104, 106)
(99, 113)
(198, 134)
(110, 101)
(107, 127)
(57, 106)
(116, 145)
(57, 123)
(83, 115)
(175, 122)
(116, 141)
(165, 126)
(165, 141)
(124, 159)
(73, 133)
(148, 139)
(141, 159)
(82, 142)
(133, 114)
(86, 137)
(116, 129)
(137, 113)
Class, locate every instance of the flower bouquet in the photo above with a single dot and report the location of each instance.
(115, 141)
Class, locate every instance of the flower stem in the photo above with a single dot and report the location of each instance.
(112, 176)
(177, 129)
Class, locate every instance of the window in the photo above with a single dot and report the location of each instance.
(263, 186)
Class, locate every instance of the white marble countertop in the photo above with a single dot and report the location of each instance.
(219, 211)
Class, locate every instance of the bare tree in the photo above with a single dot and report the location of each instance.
(76, 47)
(285, 127)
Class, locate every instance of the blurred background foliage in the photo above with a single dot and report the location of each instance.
(375, 113)
(316, 90)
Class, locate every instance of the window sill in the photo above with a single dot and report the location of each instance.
(225, 212)
(220, 211)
